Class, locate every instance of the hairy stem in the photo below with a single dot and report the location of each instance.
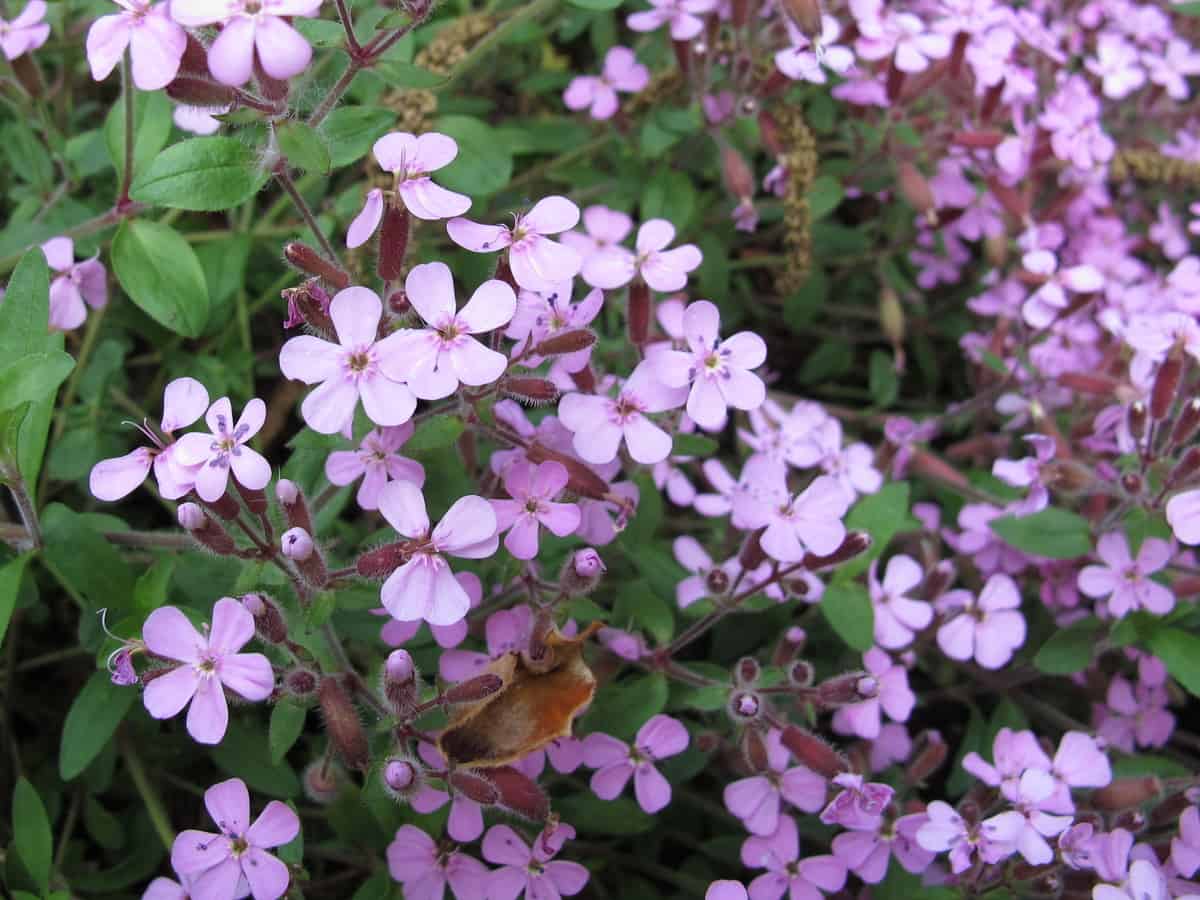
(289, 186)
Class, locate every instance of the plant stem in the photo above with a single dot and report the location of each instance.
(285, 181)
(154, 805)
(25, 506)
(83, 229)
(128, 92)
(348, 25)
(13, 534)
(335, 93)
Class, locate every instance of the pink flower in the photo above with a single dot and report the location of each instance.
(542, 314)
(946, 830)
(615, 761)
(217, 863)
(1126, 581)
(1027, 472)
(225, 449)
(1078, 762)
(718, 372)
(424, 869)
(806, 60)
(867, 853)
(537, 263)
(1014, 752)
(725, 890)
(1132, 718)
(533, 490)
(1027, 827)
(1143, 882)
(693, 557)
(155, 41)
(892, 696)
(859, 805)
(622, 72)
(1185, 849)
(26, 32)
(76, 284)
(376, 462)
(600, 423)
(800, 879)
(531, 871)
(1048, 301)
(184, 401)
(424, 587)
(1183, 514)
(210, 663)
(410, 158)
(465, 822)
(1172, 67)
(436, 359)
(506, 631)
(1116, 64)
(250, 27)
(662, 269)
(809, 522)
(683, 17)
(604, 228)
(351, 369)
(907, 36)
(988, 551)
(396, 633)
(166, 889)
(989, 627)
(757, 800)
(897, 616)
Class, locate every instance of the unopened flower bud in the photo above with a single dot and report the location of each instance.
(519, 794)
(639, 312)
(746, 671)
(400, 777)
(474, 788)
(1138, 418)
(855, 544)
(382, 561)
(739, 178)
(190, 516)
(752, 554)
(1132, 484)
(813, 752)
(753, 749)
(1166, 385)
(308, 304)
(309, 261)
(297, 544)
(393, 243)
(343, 725)
(208, 533)
(916, 190)
(269, 622)
(929, 756)
(225, 507)
(581, 573)
(744, 706)
(1067, 476)
(1132, 820)
(300, 682)
(1125, 793)
(1188, 465)
(322, 782)
(806, 16)
(891, 316)
(400, 683)
(474, 689)
(566, 342)
(254, 498)
(1168, 812)
(1187, 424)
(580, 479)
(716, 582)
(295, 507)
(530, 390)
(203, 92)
(801, 674)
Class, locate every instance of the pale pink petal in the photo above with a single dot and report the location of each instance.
(198, 851)
(167, 694)
(208, 716)
(156, 49)
(367, 220)
(403, 506)
(654, 235)
(608, 782)
(701, 326)
(475, 364)
(539, 263)
(309, 359)
(330, 407)
(503, 846)
(957, 637)
(106, 42)
(267, 875)
(648, 444)
(551, 215)
(112, 479)
(652, 790)
(476, 237)
(491, 306)
(282, 51)
(250, 468)
(469, 522)
(386, 402)
(430, 289)
(430, 201)
(276, 825)
(231, 56)
(60, 251)
(194, 13)
(169, 633)
(579, 93)
(610, 268)
(667, 270)
(396, 151)
(522, 538)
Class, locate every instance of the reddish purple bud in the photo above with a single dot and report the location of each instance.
(383, 561)
(581, 572)
(255, 499)
(295, 507)
(297, 544)
(716, 582)
(746, 671)
(206, 532)
(916, 190)
(300, 683)
(203, 92)
(813, 752)
(744, 706)
(566, 342)
(929, 756)
(269, 622)
(530, 391)
(393, 243)
(753, 749)
(806, 16)
(322, 782)
(343, 725)
(1166, 385)
(1187, 424)
(309, 261)
(191, 516)
(400, 683)
(640, 309)
(225, 507)
(400, 776)
(801, 674)
(519, 793)
(739, 177)
(1187, 466)
(1139, 416)
(855, 544)
(474, 689)
(474, 788)
(1124, 793)
(1088, 383)
(752, 555)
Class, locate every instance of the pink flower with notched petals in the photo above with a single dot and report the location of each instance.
(396, 633)
(537, 263)
(1185, 848)
(376, 462)
(436, 359)
(532, 871)
(225, 450)
(811, 521)
(1134, 717)
(1117, 65)
(543, 314)
(210, 663)
(757, 800)
(893, 696)
(155, 41)
(693, 557)
(907, 36)
(26, 32)
(988, 628)
(533, 489)
(800, 879)
(898, 617)
(718, 372)
(615, 761)
(218, 864)
(184, 401)
(1027, 827)
(75, 285)
(1126, 581)
(683, 17)
(506, 631)
(603, 229)
(410, 158)
(425, 869)
(250, 28)
(424, 587)
(349, 370)
(600, 423)
(1046, 303)
(806, 60)
(598, 94)
(1171, 68)
(662, 269)
(860, 805)
(1014, 753)
(867, 853)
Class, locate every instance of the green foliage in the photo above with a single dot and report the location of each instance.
(483, 165)
(1053, 532)
(91, 722)
(204, 173)
(847, 608)
(1180, 652)
(31, 834)
(161, 274)
(1070, 649)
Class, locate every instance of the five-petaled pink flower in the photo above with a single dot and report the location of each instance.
(683, 16)
(531, 871)
(537, 263)
(787, 873)
(351, 369)
(533, 489)
(155, 41)
(989, 627)
(250, 27)
(410, 158)
(424, 587)
(892, 696)
(757, 800)
(897, 616)
(184, 401)
(615, 761)
(717, 371)
(26, 32)
(806, 60)
(809, 522)
(436, 359)
(1126, 581)
(75, 284)
(210, 663)
(600, 423)
(376, 462)
(425, 869)
(662, 269)
(598, 94)
(218, 864)
(1046, 303)
(225, 449)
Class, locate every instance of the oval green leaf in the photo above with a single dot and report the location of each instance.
(483, 165)
(204, 174)
(91, 722)
(159, 271)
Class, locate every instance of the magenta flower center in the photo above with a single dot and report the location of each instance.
(360, 363)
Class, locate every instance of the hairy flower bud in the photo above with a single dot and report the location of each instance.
(309, 261)
(393, 242)
(853, 687)
(1187, 423)
(519, 794)
(1166, 385)
(206, 532)
(225, 507)
(930, 754)
(1124, 793)
(744, 706)
(401, 777)
(199, 91)
(382, 561)
(638, 315)
(580, 479)
(400, 683)
(566, 342)
(752, 554)
(269, 622)
(753, 749)
(474, 788)
(1138, 418)
(530, 390)
(322, 782)
(801, 674)
(813, 752)
(343, 725)
(747, 671)
(1188, 465)
(855, 544)
(300, 682)
(295, 507)
(716, 582)
(1067, 476)
(739, 177)
(297, 544)
(254, 498)
(806, 16)
(916, 190)
(581, 573)
(474, 689)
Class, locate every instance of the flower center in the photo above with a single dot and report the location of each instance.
(358, 362)
(207, 667)
(238, 846)
(626, 408)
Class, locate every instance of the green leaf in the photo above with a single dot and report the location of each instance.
(287, 723)
(436, 433)
(693, 445)
(33, 377)
(91, 721)
(88, 565)
(483, 165)
(1052, 532)
(882, 380)
(204, 173)
(802, 307)
(880, 515)
(669, 194)
(1148, 764)
(900, 885)
(649, 516)
(244, 754)
(304, 147)
(151, 129)
(31, 833)
(25, 312)
(847, 608)
(1187, 9)
(640, 606)
(162, 276)
(1069, 650)
(319, 611)
(824, 195)
(150, 592)
(399, 73)
(1180, 653)
(10, 589)
(623, 707)
(377, 887)
(350, 131)
(591, 815)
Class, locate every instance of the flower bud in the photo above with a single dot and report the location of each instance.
(744, 706)
(855, 544)
(206, 532)
(269, 622)
(753, 749)
(400, 683)
(585, 380)
(393, 243)
(716, 582)
(752, 554)
(519, 794)
(739, 178)
(580, 479)
(322, 782)
(190, 516)
(1138, 418)
(639, 312)
(916, 191)
(530, 390)
(1067, 476)
(1166, 385)
(474, 689)
(1169, 811)
(1187, 424)
(309, 261)
(1124, 793)
(813, 752)
(929, 756)
(801, 674)
(295, 507)
(746, 671)
(1132, 484)
(254, 498)
(382, 561)
(225, 507)
(1089, 383)
(891, 317)
(308, 304)
(473, 787)
(581, 573)
(1132, 820)
(1187, 466)
(806, 16)
(297, 544)
(300, 682)
(566, 342)
(343, 725)
(401, 777)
